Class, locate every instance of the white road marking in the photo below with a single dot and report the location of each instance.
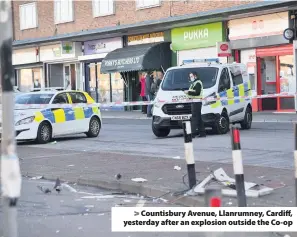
(141, 203)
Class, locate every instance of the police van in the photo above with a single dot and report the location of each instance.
(219, 81)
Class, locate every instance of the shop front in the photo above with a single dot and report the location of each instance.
(197, 42)
(103, 88)
(148, 52)
(259, 43)
(61, 65)
(28, 69)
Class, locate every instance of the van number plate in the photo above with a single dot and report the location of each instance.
(181, 117)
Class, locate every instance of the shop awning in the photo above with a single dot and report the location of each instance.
(137, 58)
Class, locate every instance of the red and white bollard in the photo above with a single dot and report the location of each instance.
(238, 167)
(213, 197)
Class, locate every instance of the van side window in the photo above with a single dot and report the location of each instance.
(224, 83)
(236, 76)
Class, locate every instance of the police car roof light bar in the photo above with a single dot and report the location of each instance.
(205, 60)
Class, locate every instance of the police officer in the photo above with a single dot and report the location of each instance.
(195, 92)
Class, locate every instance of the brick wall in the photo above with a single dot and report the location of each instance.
(125, 13)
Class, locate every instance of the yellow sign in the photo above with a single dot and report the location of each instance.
(146, 38)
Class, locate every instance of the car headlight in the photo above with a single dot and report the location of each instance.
(25, 121)
(214, 96)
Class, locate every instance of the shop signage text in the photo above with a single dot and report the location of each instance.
(122, 61)
(258, 26)
(146, 38)
(194, 37)
(102, 45)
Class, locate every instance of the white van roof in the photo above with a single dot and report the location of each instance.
(217, 65)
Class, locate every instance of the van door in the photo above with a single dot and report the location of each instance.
(238, 90)
(225, 90)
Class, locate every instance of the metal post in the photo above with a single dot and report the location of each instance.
(238, 167)
(10, 168)
(189, 153)
(295, 160)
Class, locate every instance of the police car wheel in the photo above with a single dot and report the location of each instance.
(44, 133)
(248, 117)
(222, 124)
(94, 127)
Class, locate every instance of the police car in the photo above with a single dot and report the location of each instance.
(44, 115)
(219, 81)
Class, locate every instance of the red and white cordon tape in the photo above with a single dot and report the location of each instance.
(183, 99)
(179, 100)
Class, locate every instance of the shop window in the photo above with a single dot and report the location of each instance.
(29, 79)
(103, 7)
(61, 99)
(63, 11)
(117, 86)
(287, 81)
(28, 16)
(103, 85)
(77, 97)
(147, 3)
(224, 83)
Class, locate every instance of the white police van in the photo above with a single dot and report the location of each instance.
(219, 81)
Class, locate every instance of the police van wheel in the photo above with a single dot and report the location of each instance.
(94, 127)
(44, 133)
(222, 124)
(161, 132)
(248, 117)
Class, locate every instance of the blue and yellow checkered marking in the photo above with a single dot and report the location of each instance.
(239, 90)
(66, 114)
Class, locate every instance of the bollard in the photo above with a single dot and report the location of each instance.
(238, 167)
(295, 161)
(189, 153)
(212, 197)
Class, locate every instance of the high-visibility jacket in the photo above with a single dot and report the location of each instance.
(192, 89)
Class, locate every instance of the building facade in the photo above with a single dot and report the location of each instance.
(102, 46)
(259, 43)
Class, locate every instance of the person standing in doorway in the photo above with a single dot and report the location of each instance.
(148, 93)
(142, 92)
(195, 92)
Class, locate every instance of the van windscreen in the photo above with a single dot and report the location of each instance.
(178, 79)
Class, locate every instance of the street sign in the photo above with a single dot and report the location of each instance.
(224, 49)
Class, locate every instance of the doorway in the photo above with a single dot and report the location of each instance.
(70, 76)
(275, 67)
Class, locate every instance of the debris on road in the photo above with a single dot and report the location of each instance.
(70, 165)
(57, 186)
(177, 167)
(36, 177)
(176, 157)
(44, 190)
(219, 175)
(118, 176)
(139, 180)
(54, 142)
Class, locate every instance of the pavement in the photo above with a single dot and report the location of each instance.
(258, 117)
(84, 211)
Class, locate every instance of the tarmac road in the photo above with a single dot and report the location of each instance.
(265, 145)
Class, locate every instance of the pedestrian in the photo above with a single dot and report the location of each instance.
(195, 92)
(148, 93)
(142, 92)
(156, 84)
